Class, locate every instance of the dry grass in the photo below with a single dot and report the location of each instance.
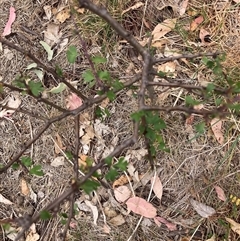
(192, 167)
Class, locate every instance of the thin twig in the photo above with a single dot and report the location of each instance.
(42, 65)
(103, 13)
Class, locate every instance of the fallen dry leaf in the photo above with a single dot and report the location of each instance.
(73, 101)
(117, 221)
(5, 200)
(106, 229)
(216, 125)
(11, 19)
(234, 225)
(48, 11)
(8, 54)
(163, 28)
(12, 101)
(82, 161)
(122, 193)
(213, 238)
(58, 145)
(79, 10)
(170, 226)
(142, 207)
(205, 36)
(157, 187)
(110, 212)
(168, 68)
(32, 234)
(202, 209)
(52, 35)
(183, 7)
(190, 119)
(58, 161)
(220, 193)
(133, 172)
(24, 187)
(121, 181)
(196, 22)
(134, 7)
(63, 15)
(94, 211)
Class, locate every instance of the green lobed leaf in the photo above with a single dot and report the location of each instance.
(104, 75)
(15, 166)
(111, 175)
(26, 160)
(136, 116)
(45, 215)
(89, 186)
(36, 170)
(200, 127)
(108, 161)
(190, 101)
(72, 54)
(35, 87)
(88, 76)
(59, 71)
(111, 95)
(121, 164)
(69, 155)
(98, 60)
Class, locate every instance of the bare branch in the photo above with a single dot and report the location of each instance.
(40, 64)
(103, 13)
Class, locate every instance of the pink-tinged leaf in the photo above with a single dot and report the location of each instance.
(73, 101)
(220, 193)
(196, 22)
(216, 125)
(142, 207)
(202, 209)
(122, 193)
(73, 225)
(11, 19)
(170, 226)
(157, 222)
(157, 187)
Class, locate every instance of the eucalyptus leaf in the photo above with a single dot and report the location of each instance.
(58, 89)
(48, 50)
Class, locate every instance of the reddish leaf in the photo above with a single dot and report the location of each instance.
(11, 19)
(140, 206)
(73, 101)
(170, 226)
(220, 193)
(196, 22)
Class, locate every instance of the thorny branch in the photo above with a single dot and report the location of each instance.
(144, 75)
